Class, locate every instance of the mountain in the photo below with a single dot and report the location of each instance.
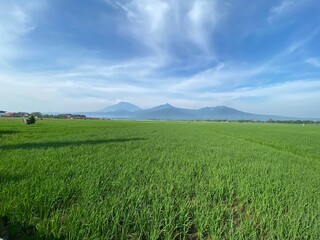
(122, 106)
(223, 112)
(166, 111)
(162, 107)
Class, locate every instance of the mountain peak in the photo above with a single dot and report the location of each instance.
(221, 106)
(122, 106)
(167, 105)
(224, 107)
(163, 106)
(218, 108)
(121, 103)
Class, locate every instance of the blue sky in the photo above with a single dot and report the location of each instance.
(79, 55)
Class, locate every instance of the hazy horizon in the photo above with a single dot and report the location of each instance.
(82, 56)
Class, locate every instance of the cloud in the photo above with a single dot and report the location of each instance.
(147, 22)
(285, 7)
(162, 25)
(314, 61)
(201, 19)
(94, 84)
(16, 21)
(298, 44)
(38, 92)
(135, 71)
(298, 98)
(222, 75)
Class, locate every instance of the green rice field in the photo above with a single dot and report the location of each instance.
(99, 179)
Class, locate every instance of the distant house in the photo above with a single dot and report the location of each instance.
(9, 114)
(15, 114)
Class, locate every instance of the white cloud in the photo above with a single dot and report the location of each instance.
(73, 92)
(221, 75)
(314, 62)
(201, 19)
(122, 88)
(32, 94)
(282, 9)
(138, 70)
(284, 6)
(161, 24)
(16, 20)
(288, 7)
(14, 23)
(298, 44)
(147, 22)
(204, 79)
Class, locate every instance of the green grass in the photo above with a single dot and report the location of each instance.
(63, 179)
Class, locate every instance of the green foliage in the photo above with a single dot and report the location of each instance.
(159, 180)
(32, 119)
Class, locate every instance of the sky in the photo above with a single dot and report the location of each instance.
(79, 55)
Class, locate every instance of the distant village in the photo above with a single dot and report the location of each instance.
(39, 115)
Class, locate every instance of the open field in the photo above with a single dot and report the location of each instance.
(68, 179)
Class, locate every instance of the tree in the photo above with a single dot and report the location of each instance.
(32, 119)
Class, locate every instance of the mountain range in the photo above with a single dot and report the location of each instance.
(125, 110)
